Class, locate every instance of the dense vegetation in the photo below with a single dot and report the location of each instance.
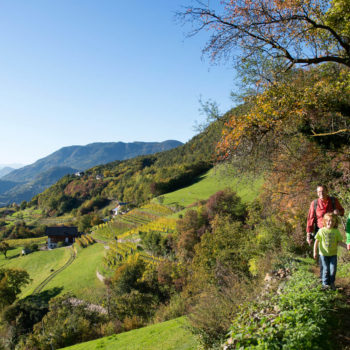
(229, 265)
(136, 180)
(26, 182)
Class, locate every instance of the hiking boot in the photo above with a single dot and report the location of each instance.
(333, 287)
(326, 287)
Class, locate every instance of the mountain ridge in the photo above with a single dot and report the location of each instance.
(84, 157)
(23, 183)
(5, 170)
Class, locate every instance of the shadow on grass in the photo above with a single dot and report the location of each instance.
(44, 296)
(12, 256)
(186, 183)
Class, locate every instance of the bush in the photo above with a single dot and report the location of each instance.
(156, 242)
(176, 307)
(23, 315)
(132, 322)
(298, 318)
(34, 247)
(68, 322)
(215, 308)
(226, 203)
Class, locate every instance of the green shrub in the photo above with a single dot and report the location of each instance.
(298, 318)
(175, 308)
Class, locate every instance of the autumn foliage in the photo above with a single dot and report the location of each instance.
(299, 31)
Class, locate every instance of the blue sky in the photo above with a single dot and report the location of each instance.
(75, 72)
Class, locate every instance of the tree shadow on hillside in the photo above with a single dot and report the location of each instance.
(12, 256)
(45, 296)
(188, 184)
(195, 180)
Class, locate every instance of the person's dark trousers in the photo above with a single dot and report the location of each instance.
(329, 264)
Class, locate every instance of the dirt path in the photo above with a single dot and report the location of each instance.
(39, 288)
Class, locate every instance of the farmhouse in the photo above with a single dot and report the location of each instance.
(64, 234)
(117, 209)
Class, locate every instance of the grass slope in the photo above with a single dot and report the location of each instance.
(213, 181)
(37, 264)
(80, 278)
(169, 335)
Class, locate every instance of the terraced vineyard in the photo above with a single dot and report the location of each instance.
(26, 241)
(162, 225)
(121, 251)
(122, 224)
(145, 219)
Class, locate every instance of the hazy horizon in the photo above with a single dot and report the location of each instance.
(85, 71)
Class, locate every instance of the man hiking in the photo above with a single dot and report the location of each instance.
(320, 206)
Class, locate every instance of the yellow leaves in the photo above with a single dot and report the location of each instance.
(310, 98)
(253, 267)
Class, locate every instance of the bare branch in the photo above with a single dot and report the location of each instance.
(285, 31)
(330, 133)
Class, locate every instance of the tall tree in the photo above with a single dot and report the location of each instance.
(11, 283)
(4, 247)
(300, 31)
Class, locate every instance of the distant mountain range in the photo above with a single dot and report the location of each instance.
(23, 183)
(12, 165)
(5, 170)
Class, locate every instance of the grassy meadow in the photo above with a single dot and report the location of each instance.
(38, 264)
(169, 335)
(80, 278)
(213, 181)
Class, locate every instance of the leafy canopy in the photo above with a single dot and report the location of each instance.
(11, 282)
(299, 31)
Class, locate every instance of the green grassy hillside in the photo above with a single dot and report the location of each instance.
(80, 277)
(213, 181)
(170, 335)
(135, 180)
(39, 264)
